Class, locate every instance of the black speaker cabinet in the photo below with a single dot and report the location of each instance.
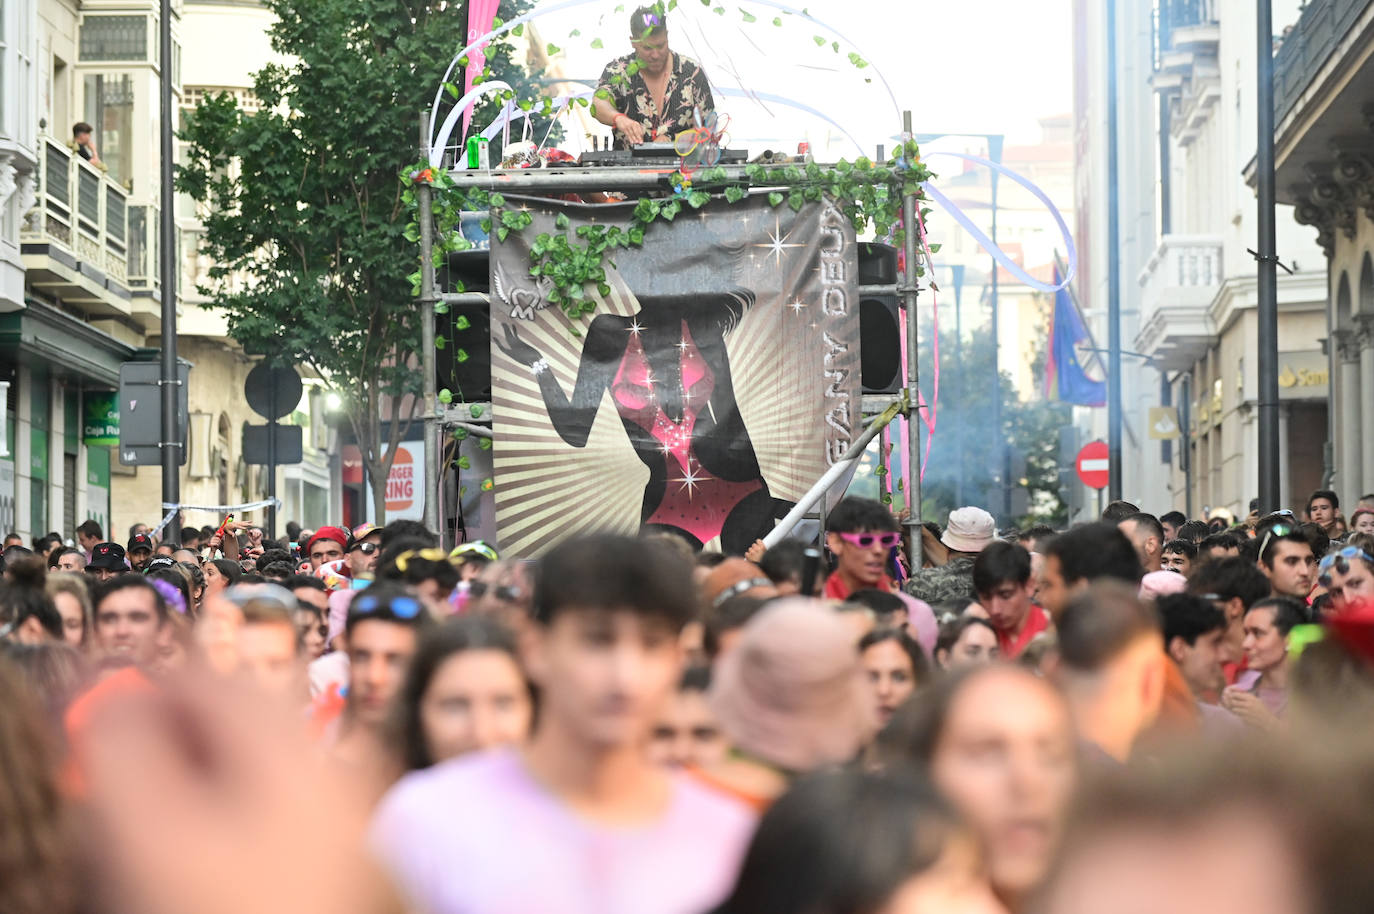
(880, 342)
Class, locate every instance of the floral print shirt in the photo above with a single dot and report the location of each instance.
(687, 90)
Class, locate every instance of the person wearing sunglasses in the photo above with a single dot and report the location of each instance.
(362, 558)
(579, 819)
(1348, 576)
(1005, 587)
(652, 94)
(862, 535)
(1285, 557)
(381, 635)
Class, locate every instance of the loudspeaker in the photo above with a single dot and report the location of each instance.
(880, 342)
(469, 380)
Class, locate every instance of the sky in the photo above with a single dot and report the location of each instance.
(984, 66)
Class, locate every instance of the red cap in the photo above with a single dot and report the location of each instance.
(336, 534)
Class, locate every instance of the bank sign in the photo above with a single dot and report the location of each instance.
(101, 415)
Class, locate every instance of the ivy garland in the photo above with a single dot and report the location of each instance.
(868, 194)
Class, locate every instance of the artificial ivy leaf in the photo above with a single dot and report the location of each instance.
(475, 411)
(935, 248)
(698, 198)
(484, 443)
(518, 30)
(462, 323)
(820, 42)
(603, 290)
(748, 16)
(561, 220)
(774, 198)
(464, 463)
(497, 22)
(497, 201)
(835, 46)
(670, 210)
(718, 10)
(440, 308)
(525, 104)
(574, 33)
(461, 356)
(857, 61)
(777, 20)
(502, 233)
(796, 201)
(452, 90)
(445, 396)
(440, 342)
(597, 43)
(459, 433)
(637, 236)
(734, 193)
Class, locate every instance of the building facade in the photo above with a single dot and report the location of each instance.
(1324, 168)
(79, 273)
(1198, 290)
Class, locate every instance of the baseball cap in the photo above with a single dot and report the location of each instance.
(109, 556)
(363, 531)
(140, 541)
(336, 534)
(161, 561)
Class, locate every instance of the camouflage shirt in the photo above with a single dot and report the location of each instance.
(951, 581)
(687, 90)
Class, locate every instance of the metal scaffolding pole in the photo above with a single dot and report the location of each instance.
(429, 411)
(909, 291)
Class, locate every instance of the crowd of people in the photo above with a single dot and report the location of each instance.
(1138, 714)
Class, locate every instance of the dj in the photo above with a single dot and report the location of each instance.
(654, 101)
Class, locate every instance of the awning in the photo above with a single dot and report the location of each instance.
(65, 345)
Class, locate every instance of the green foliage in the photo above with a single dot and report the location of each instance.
(305, 221)
(869, 195)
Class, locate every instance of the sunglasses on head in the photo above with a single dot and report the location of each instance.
(1341, 561)
(400, 607)
(1277, 530)
(865, 540)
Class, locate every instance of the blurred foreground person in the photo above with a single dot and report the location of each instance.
(1111, 668)
(997, 742)
(855, 843)
(791, 697)
(465, 691)
(269, 647)
(578, 820)
(36, 847)
(27, 614)
(1257, 829)
(204, 766)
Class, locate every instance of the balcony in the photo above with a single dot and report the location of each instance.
(75, 241)
(1177, 286)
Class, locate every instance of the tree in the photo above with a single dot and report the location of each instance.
(302, 209)
(962, 469)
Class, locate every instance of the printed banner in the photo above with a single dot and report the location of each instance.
(717, 381)
(101, 428)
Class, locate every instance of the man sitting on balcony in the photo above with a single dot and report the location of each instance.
(85, 146)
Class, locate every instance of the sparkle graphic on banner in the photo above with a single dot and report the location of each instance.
(777, 242)
(634, 328)
(691, 479)
(796, 304)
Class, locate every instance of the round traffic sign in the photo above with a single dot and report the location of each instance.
(273, 391)
(1092, 465)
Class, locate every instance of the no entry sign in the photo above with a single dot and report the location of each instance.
(1092, 465)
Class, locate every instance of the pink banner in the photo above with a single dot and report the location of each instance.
(481, 16)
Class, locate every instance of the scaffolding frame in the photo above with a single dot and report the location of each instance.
(631, 179)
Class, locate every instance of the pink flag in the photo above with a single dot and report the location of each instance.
(481, 15)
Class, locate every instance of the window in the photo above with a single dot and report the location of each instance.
(114, 38)
(109, 106)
